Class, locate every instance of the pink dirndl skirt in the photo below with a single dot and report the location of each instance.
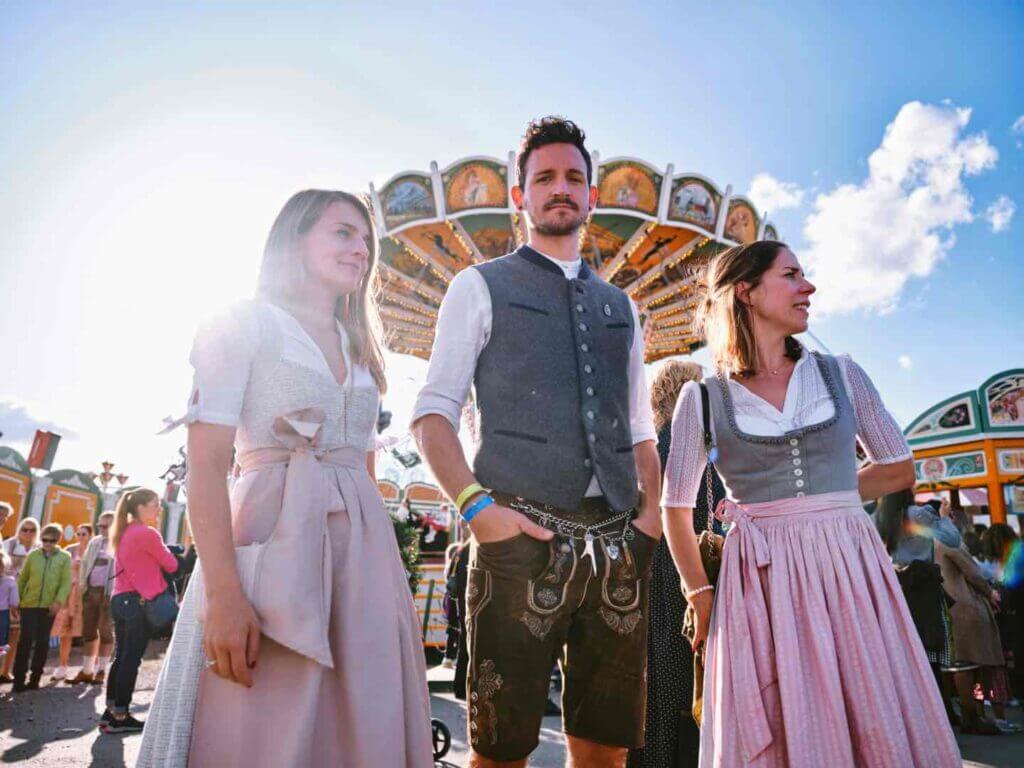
(813, 658)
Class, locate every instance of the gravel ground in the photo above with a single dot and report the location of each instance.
(56, 726)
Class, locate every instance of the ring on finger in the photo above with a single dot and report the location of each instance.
(211, 663)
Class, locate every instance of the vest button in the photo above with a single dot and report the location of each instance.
(799, 483)
(584, 347)
(795, 451)
(586, 463)
(799, 494)
(798, 472)
(588, 369)
(579, 308)
(583, 327)
(592, 437)
(796, 462)
(590, 414)
(590, 391)
(794, 441)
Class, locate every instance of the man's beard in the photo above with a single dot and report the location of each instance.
(559, 228)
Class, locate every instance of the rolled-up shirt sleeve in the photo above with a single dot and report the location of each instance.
(641, 415)
(462, 331)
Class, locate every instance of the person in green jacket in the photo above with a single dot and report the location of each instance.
(43, 585)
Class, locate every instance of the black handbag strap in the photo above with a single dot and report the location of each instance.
(710, 450)
(705, 409)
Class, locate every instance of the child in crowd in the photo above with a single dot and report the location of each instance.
(8, 603)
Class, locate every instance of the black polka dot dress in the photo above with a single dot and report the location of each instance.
(672, 739)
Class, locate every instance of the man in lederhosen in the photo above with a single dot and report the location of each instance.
(562, 494)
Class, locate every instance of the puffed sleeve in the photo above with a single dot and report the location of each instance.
(687, 458)
(878, 431)
(221, 359)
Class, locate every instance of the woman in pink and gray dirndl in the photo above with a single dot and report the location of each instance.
(812, 657)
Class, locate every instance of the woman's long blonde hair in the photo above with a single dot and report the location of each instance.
(725, 319)
(282, 273)
(127, 512)
(667, 385)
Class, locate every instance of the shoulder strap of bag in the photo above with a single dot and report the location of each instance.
(710, 449)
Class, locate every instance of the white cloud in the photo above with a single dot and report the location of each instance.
(1000, 213)
(18, 425)
(771, 195)
(1018, 128)
(864, 241)
(905, 362)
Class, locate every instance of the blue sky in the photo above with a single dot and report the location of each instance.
(145, 150)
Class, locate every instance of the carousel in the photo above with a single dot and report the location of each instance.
(970, 447)
(651, 231)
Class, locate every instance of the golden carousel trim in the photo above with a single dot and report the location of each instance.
(650, 234)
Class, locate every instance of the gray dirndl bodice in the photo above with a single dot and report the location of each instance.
(819, 458)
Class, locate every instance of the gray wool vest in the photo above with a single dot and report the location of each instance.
(552, 385)
(819, 458)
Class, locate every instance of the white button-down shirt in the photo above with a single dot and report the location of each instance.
(463, 330)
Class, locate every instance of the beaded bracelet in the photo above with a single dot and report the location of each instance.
(692, 593)
(470, 490)
(477, 506)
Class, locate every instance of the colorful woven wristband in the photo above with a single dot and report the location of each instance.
(467, 493)
(477, 506)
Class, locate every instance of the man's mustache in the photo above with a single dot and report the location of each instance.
(561, 201)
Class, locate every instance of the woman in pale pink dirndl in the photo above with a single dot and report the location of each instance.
(306, 649)
(812, 658)
(67, 625)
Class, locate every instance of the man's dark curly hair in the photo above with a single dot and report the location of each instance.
(551, 130)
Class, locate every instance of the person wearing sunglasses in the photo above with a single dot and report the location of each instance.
(17, 548)
(95, 583)
(44, 585)
(68, 623)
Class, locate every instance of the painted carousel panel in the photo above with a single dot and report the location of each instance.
(694, 201)
(414, 267)
(491, 233)
(603, 238)
(442, 243)
(741, 223)
(658, 246)
(629, 185)
(407, 198)
(476, 184)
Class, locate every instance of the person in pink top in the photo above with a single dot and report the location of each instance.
(140, 562)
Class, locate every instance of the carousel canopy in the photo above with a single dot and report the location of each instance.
(650, 233)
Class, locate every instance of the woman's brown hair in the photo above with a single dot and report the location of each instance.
(725, 319)
(281, 273)
(127, 512)
(667, 385)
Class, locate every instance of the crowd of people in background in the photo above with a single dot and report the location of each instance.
(96, 590)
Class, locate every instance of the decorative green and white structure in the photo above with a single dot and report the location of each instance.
(973, 444)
